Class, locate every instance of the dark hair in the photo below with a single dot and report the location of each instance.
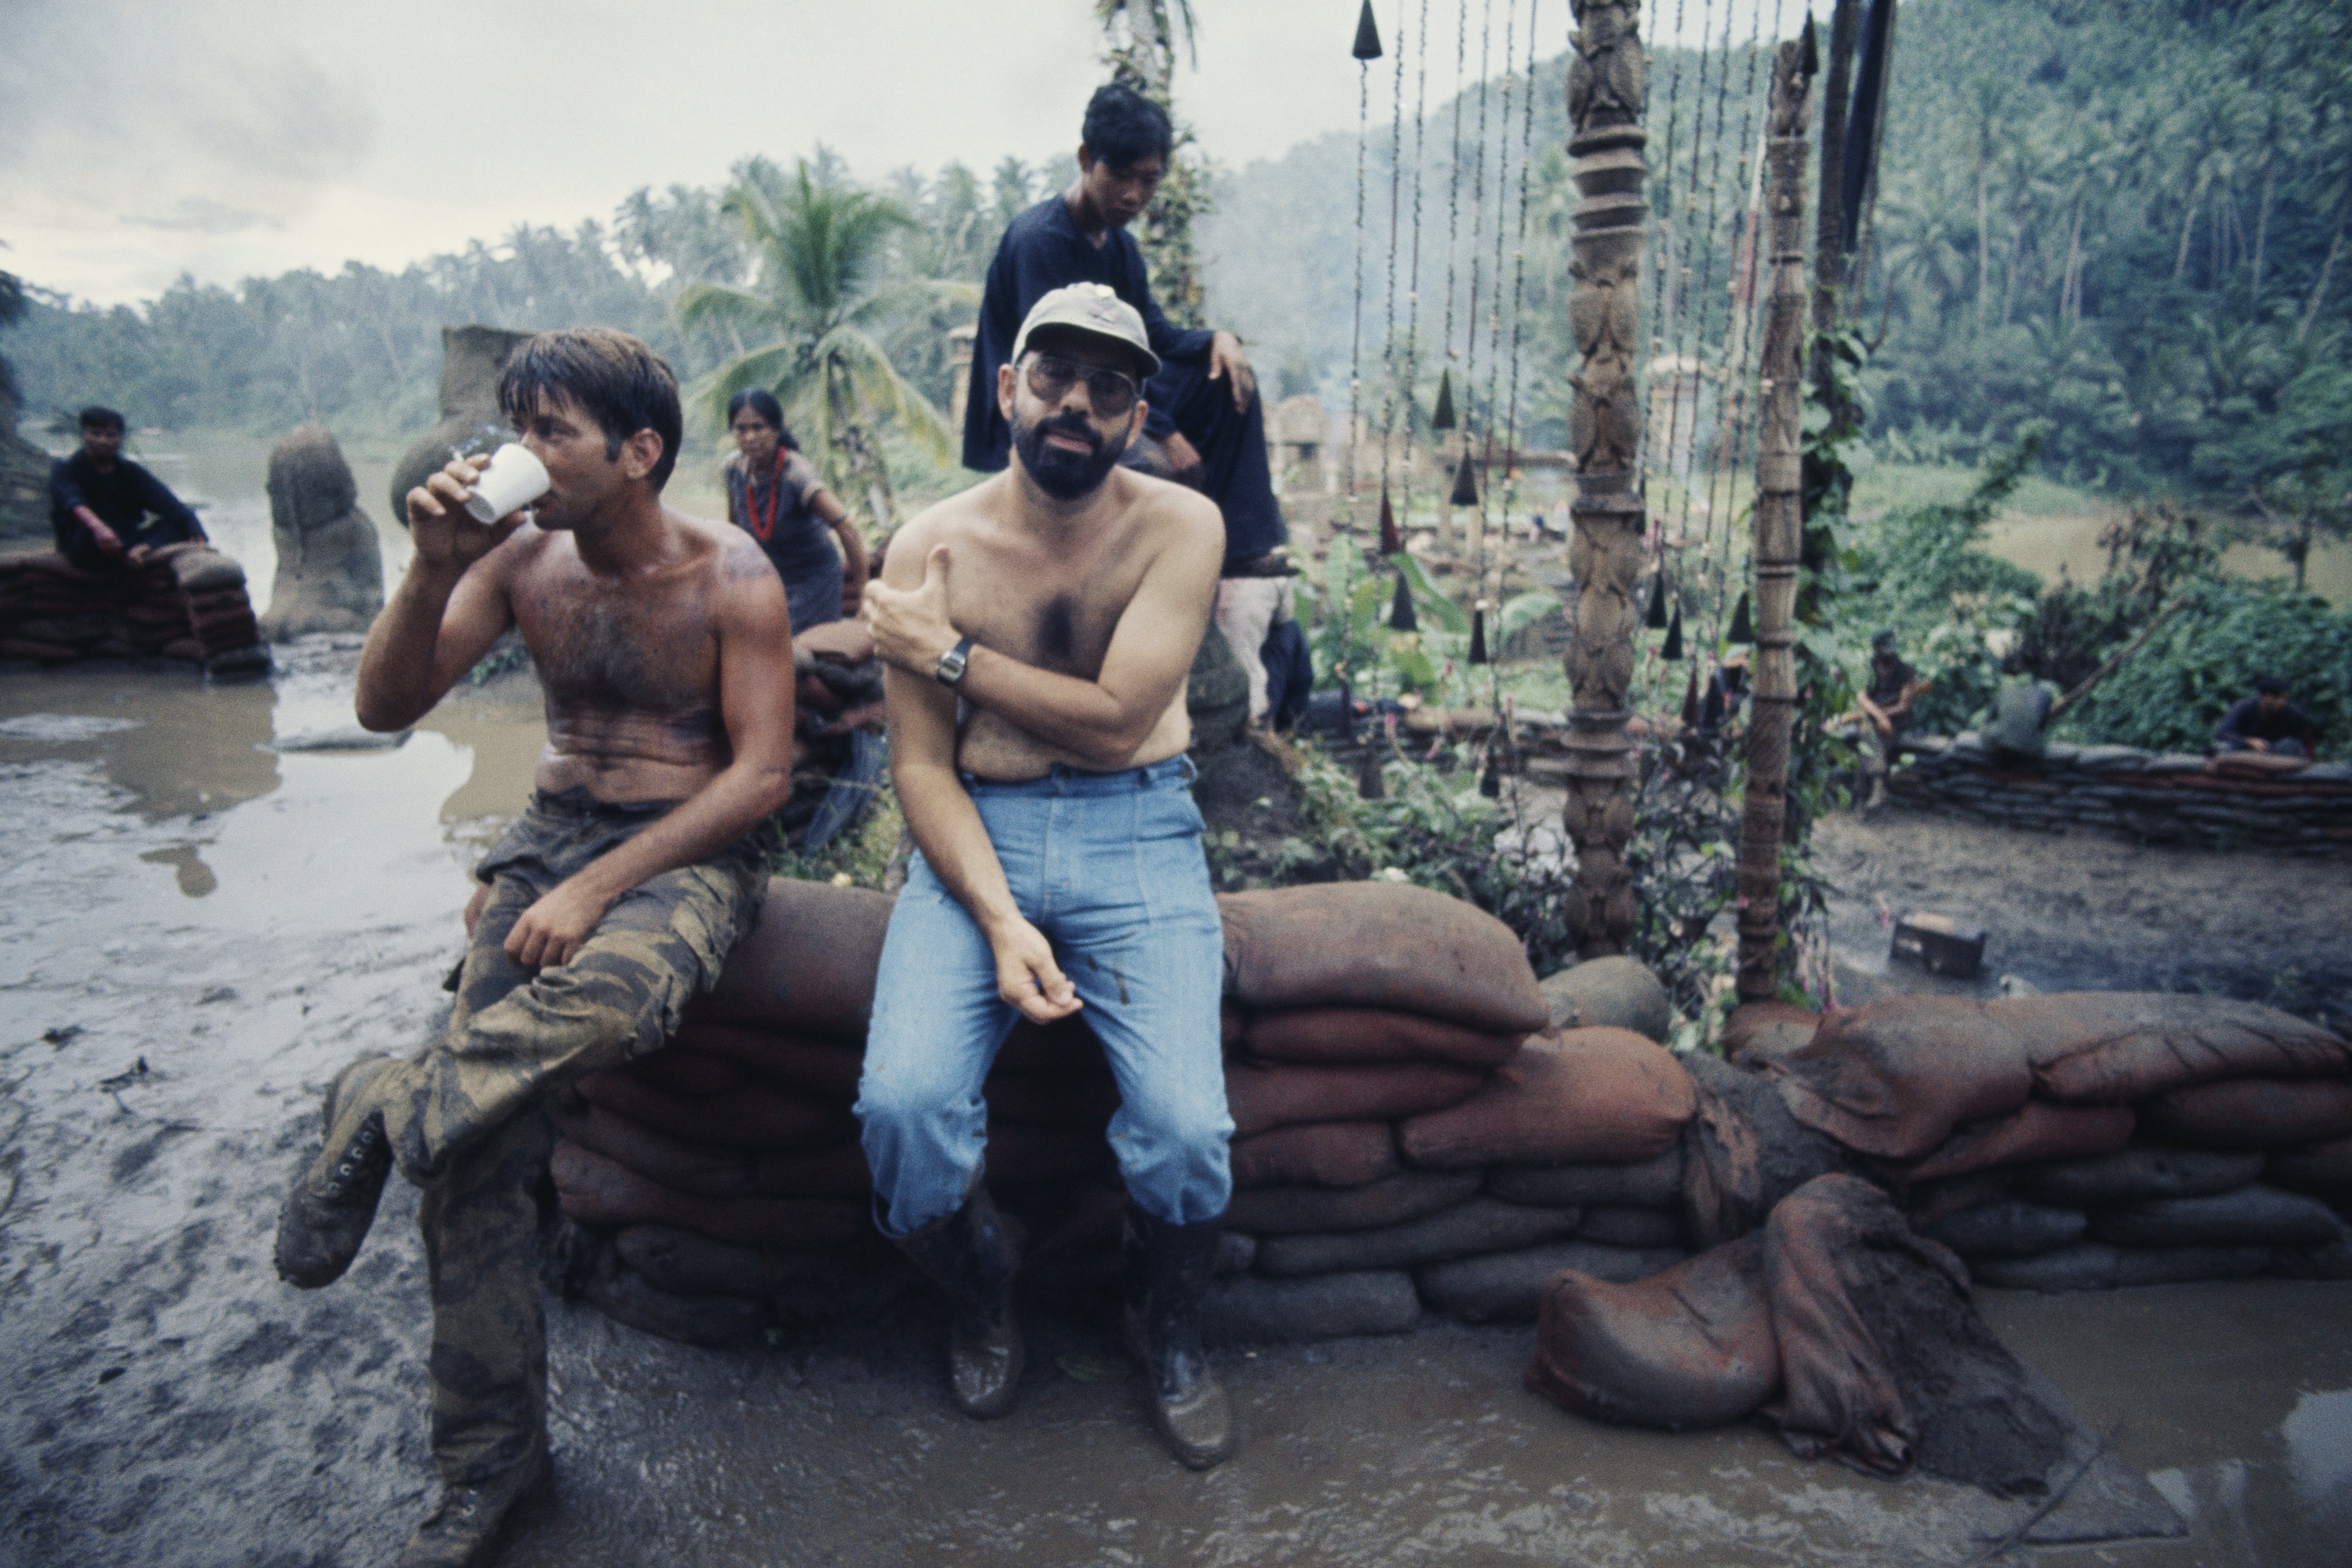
(611, 377)
(97, 418)
(762, 402)
(1882, 643)
(1123, 127)
(2270, 685)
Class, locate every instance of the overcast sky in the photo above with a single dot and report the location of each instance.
(229, 137)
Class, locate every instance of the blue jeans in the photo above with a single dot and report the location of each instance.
(1109, 866)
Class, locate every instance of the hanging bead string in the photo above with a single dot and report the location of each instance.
(1743, 374)
(1663, 219)
(1356, 331)
(1468, 407)
(1396, 190)
(1687, 330)
(1412, 278)
(1520, 265)
(1703, 467)
(1454, 180)
(1495, 310)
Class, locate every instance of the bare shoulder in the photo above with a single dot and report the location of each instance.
(949, 522)
(736, 561)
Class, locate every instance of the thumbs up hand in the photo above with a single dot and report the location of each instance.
(911, 625)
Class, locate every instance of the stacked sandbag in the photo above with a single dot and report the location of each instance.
(2091, 1140)
(188, 603)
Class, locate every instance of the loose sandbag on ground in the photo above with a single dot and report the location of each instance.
(807, 965)
(759, 1116)
(2251, 1113)
(1508, 1287)
(2322, 1167)
(1613, 1225)
(597, 1191)
(1051, 1099)
(1690, 1347)
(1743, 1150)
(1319, 1154)
(1378, 944)
(1647, 1184)
(2096, 1266)
(1477, 1226)
(675, 1164)
(1327, 1035)
(1300, 1211)
(2108, 1047)
(1263, 1098)
(2010, 1228)
(826, 1069)
(1891, 1079)
(1588, 1096)
(684, 1263)
(680, 1068)
(2255, 1216)
(711, 1322)
(2036, 1132)
(1254, 1310)
(2142, 1171)
(1769, 1029)
(1614, 993)
(840, 1172)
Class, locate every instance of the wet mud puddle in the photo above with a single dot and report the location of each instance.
(211, 898)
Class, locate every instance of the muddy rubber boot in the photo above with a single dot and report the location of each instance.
(1168, 1275)
(333, 1202)
(973, 1255)
(463, 1530)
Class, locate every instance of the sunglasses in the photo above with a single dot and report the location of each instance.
(1111, 392)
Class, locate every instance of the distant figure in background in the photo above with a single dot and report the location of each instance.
(1215, 435)
(101, 502)
(2267, 722)
(1886, 703)
(1727, 689)
(773, 494)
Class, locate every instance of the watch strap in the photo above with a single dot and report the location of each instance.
(952, 663)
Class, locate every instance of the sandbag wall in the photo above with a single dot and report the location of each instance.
(1406, 1133)
(188, 603)
(2092, 1141)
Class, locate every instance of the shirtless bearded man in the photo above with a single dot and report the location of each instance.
(1059, 862)
(663, 648)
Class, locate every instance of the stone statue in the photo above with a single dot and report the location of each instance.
(329, 565)
(471, 358)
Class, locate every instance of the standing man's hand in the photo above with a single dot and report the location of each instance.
(1184, 458)
(1026, 974)
(1227, 361)
(911, 626)
(445, 534)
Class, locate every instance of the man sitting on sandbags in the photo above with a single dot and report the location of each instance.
(107, 512)
(1038, 628)
(664, 647)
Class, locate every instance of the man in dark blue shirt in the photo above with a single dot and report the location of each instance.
(101, 502)
(2267, 722)
(1215, 435)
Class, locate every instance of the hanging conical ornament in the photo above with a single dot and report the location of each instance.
(1673, 649)
(1347, 707)
(1743, 630)
(1442, 416)
(1478, 634)
(1490, 783)
(1368, 35)
(1690, 702)
(1391, 536)
(1656, 617)
(1401, 616)
(1465, 483)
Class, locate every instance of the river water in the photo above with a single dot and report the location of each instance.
(209, 899)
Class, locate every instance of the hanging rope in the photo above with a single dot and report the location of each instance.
(1686, 327)
(1705, 298)
(1391, 536)
(1366, 50)
(1520, 278)
(1442, 416)
(1413, 281)
(1465, 492)
(1495, 310)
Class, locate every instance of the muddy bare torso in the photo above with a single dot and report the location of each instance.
(630, 667)
(1054, 604)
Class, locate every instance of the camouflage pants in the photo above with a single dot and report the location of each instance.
(464, 1114)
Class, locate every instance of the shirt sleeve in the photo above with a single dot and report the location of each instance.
(156, 496)
(65, 490)
(1170, 341)
(802, 475)
(1014, 271)
(2233, 731)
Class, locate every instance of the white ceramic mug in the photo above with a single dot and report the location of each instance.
(512, 480)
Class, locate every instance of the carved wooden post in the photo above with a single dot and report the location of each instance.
(1606, 91)
(1778, 522)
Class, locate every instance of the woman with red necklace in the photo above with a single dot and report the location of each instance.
(773, 494)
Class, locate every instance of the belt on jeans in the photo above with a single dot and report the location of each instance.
(1180, 765)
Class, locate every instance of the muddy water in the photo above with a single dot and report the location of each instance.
(207, 905)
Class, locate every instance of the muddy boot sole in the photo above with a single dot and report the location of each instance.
(331, 1204)
(466, 1529)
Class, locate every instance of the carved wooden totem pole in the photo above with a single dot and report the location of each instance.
(1606, 91)
(1779, 524)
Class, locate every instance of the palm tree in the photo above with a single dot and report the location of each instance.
(815, 304)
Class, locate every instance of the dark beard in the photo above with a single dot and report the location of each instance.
(1067, 476)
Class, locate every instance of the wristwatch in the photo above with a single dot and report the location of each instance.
(951, 666)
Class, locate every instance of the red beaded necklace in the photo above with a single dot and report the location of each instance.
(764, 528)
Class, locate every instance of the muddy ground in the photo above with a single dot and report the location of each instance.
(209, 899)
